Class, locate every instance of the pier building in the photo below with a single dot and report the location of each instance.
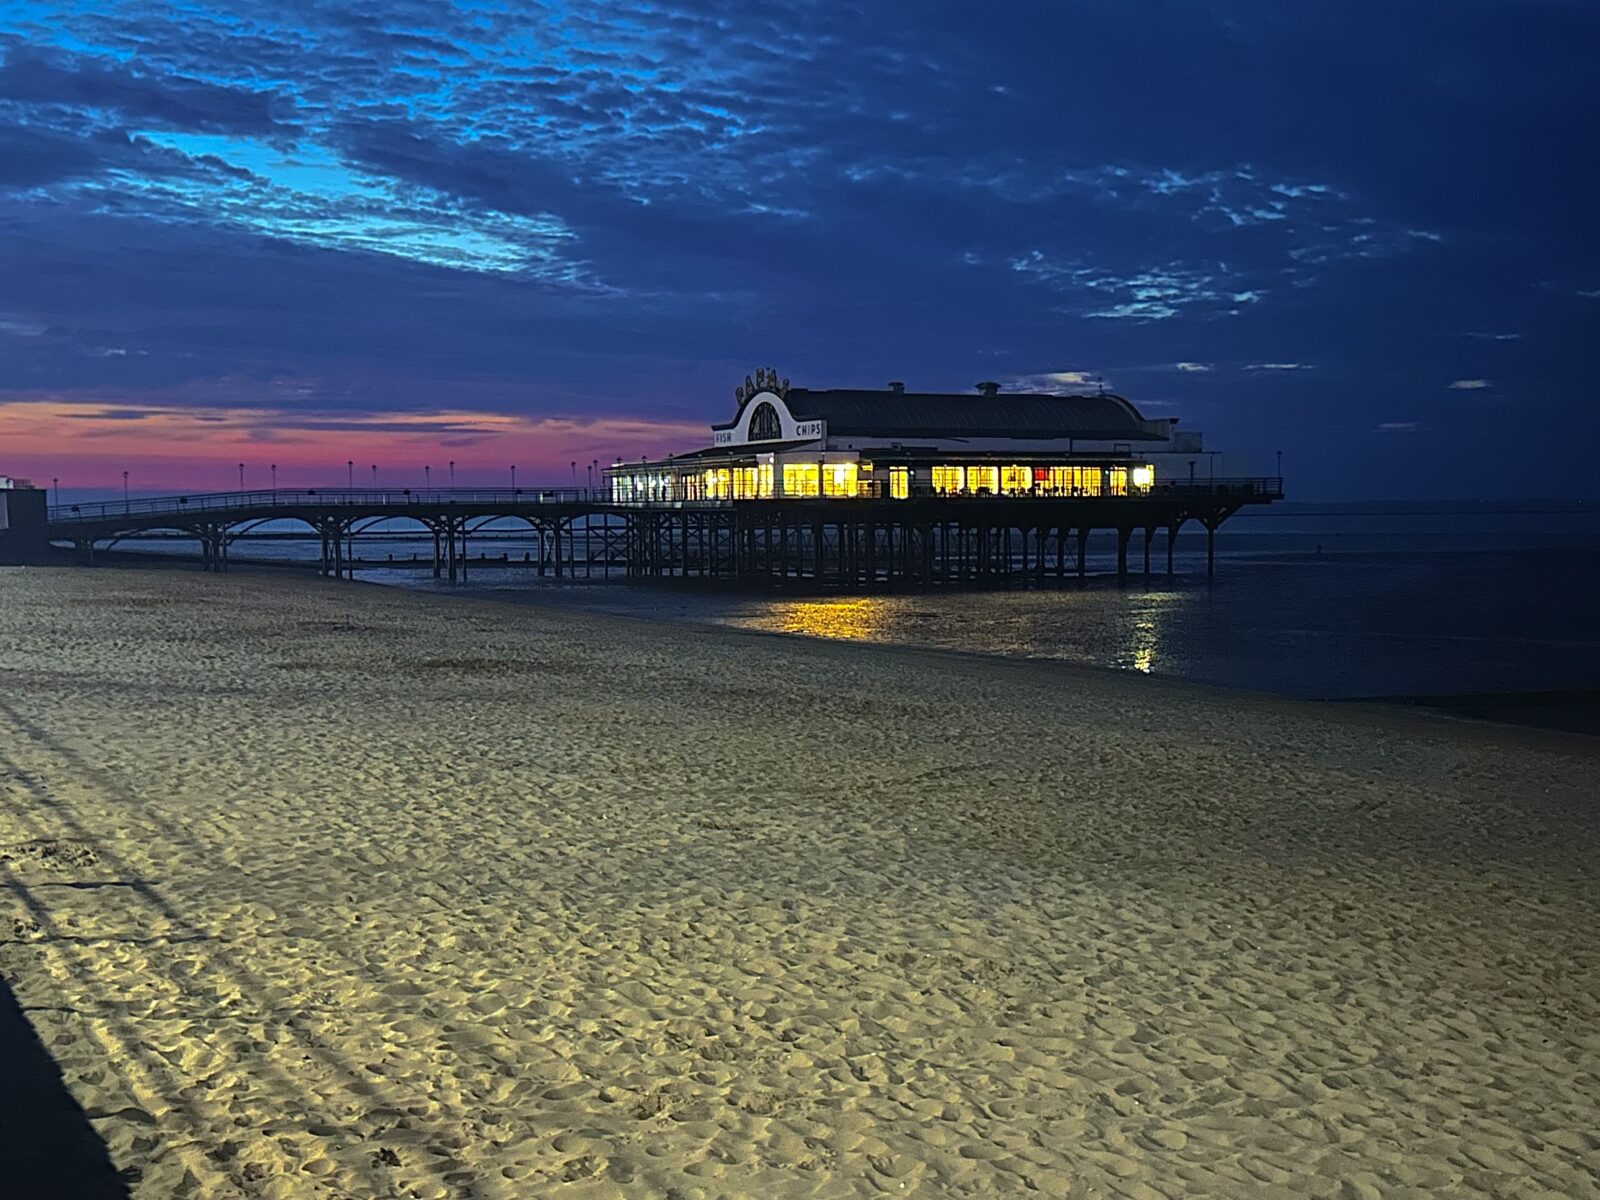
(891, 444)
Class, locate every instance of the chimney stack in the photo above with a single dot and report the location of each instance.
(896, 386)
(989, 387)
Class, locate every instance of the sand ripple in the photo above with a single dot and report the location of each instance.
(319, 890)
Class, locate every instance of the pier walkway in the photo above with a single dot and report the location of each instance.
(923, 539)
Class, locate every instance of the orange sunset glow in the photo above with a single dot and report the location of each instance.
(176, 448)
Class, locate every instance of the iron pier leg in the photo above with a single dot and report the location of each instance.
(1124, 536)
(1083, 546)
(1172, 536)
(1211, 549)
(1149, 530)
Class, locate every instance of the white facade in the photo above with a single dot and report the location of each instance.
(769, 452)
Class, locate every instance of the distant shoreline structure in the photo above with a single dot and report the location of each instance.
(831, 490)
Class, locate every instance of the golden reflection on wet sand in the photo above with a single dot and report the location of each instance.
(853, 618)
(1134, 634)
(1151, 625)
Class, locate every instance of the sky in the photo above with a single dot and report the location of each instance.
(399, 235)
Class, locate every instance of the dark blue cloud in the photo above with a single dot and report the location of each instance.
(30, 157)
(614, 207)
(31, 79)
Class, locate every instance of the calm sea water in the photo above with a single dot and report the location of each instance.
(1329, 601)
(1312, 601)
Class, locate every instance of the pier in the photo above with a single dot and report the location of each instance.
(839, 489)
(919, 539)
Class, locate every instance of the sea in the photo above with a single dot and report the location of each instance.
(1489, 608)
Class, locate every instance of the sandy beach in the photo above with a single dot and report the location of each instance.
(323, 890)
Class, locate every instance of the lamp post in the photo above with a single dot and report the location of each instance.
(55, 484)
(124, 493)
(241, 477)
(574, 473)
(1279, 453)
(452, 472)
(427, 477)
(274, 470)
(350, 472)
(374, 475)
(513, 479)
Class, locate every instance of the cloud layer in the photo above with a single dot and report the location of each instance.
(1285, 226)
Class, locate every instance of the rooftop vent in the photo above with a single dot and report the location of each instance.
(988, 387)
(896, 385)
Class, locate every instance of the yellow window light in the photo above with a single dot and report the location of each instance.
(983, 479)
(1014, 479)
(839, 480)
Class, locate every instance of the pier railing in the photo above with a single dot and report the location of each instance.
(199, 502)
(1253, 487)
(434, 499)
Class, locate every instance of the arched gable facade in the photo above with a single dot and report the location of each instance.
(765, 417)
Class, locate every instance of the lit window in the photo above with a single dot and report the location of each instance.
(1144, 477)
(899, 483)
(1075, 481)
(799, 479)
(948, 479)
(1015, 479)
(983, 479)
(764, 481)
(839, 479)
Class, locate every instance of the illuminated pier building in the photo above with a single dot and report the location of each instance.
(850, 488)
(892, 444)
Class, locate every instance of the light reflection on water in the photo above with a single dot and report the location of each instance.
(854, 618)
(1347, 626)
(1124, 630)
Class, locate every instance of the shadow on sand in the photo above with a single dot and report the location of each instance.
(48, 1149)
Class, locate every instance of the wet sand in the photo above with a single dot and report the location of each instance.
(320, 890)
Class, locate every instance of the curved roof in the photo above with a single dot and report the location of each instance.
(868, 413)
